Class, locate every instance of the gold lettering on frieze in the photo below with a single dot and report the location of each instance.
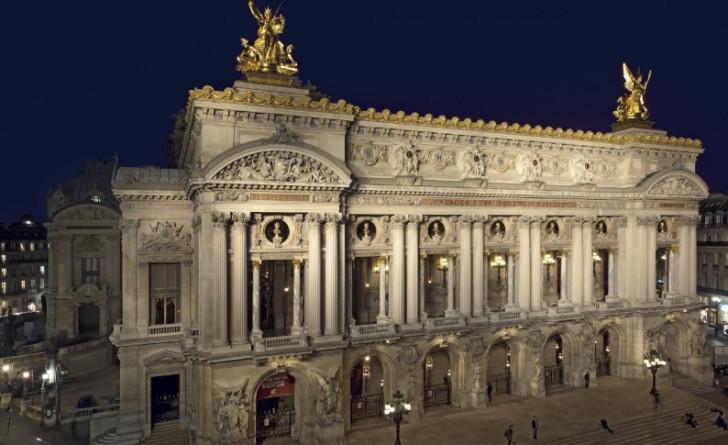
(280, 197)
(494, 203)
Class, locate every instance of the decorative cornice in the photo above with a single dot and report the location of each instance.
(455, 122)
(229, 95)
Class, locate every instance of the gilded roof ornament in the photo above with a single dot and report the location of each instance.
(267, 54)
(631, 107)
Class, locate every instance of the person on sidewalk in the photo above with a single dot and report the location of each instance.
(534, 427)
(509, 434)
(587, 378)
(691, 420)
(605, 425)
(490, 392)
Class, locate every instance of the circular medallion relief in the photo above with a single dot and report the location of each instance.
(498, 229)
(436, 230)
(366, 231)
(552, 228)
(662, 226)
(601, 227)
(277, 231)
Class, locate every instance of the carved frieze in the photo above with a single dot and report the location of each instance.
(500, 162)
(531, 166)
(370, 153)
(407, 159)
(279, 166)
(675, 186)
(582, 170)
(165, 237)
(441, 158)
(473, 164)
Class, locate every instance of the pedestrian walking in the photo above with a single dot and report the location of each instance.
(587, 378)
(720, 420)
(605, 425)
(534, 427)
(658, 402)
(509, 434)
(490, 392)
(690, 419)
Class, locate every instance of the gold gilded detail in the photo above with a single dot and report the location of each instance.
(631, 106)
(249, 97)
(267, 54)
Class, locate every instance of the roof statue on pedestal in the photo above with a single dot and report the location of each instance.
(267, 58)
(631, 107)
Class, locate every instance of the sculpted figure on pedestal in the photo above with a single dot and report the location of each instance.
(632, 106)
(408, 162)
(267, 54)
(328, 401)
(231, 419)
(473, 164)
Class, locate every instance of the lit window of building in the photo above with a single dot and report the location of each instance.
(42, 270)
(3, 258)
(2, 247)
(32, 284)
(32, 247)
(23, 284)
(4, 287)
(3, 272)
(42, 283)
(21, 246)
(96, 198)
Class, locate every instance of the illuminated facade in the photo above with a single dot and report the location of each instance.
(305, 258)
(713, 258)
(23, 265)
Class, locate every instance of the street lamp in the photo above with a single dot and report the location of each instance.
(397, 410)
(654, 362)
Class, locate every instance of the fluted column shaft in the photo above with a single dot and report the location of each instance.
(238, 241)
(296, 328)
(332, 276)
(382, 317)
(651, 261)
(464, 266)
(421, 270)
(693, 259)
(478, 269)
(577, 263)
(683, 270)
(511, 278)
(312, 301)
(450, 311)
(413, 258)
(563, 296)
(536, 261)
(524, 263)
(610, 275)
(220, 259)
(588, 263)
(256, 332)
(397, 271)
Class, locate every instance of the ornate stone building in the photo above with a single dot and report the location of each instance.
(305, 258)
(713, 258)
(84, 291)
(23, 265)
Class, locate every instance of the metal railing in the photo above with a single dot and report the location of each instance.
(502, 383)
(80, 413)
(367, 406)
(276, 424)
(553, 375)
(437, 395)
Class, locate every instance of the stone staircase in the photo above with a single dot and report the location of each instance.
(168, 433)
(108, 438)
(689, 384)
(663, 427)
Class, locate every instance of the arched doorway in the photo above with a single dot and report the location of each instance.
(553, 362)
(367, 389)
(603, 353)
(438, 377)
(500, 367)
(275, 407)
(88, 320)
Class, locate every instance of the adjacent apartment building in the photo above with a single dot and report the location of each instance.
(23, 265)
(713, 259)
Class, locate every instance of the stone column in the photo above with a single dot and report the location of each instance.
(536, 261)
(478, 269)
(524, 262)
(588, 263)
(397, 271)
(577, 263)
(693, 260)
(563, 296)
(220, 259)
(610, 276)
(464, 266)
(450, 311)
(256, 332)
(423, 258)
(382, 317)
(413, 257)
(128, 269)
(673, 279)
(684, 258)
(651, 228)
(296, 328)
(332, 275)
(239, 280)
(312, 300)
(511, 306)
(621, 270)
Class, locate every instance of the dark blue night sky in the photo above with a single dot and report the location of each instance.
(87, 79)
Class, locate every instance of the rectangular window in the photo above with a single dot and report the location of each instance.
(42, 283)
(32, 247)
(2, 247)
(3, 258)
(90, 270)
(22, 247)
(3, 272)
(32, 284)
(42, 269)
(164, 293)
(4, 287)
(23, 284)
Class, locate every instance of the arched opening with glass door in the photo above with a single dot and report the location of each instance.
(553, 362)
(275, 414)
(367, 389)
(603, 352)
(438, 377)
(500, 368)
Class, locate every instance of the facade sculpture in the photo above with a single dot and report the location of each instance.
(632, 106)
(268, 54)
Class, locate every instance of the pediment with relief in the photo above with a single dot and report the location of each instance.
(677, 184)
(165, 237)
(279, 166)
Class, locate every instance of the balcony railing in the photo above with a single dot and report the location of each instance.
(273, 344)
(506, 316)
(373, 330)
(436, 324)
(165, 329)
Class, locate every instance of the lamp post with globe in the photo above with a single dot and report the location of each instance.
(396, 410)
(654, 362)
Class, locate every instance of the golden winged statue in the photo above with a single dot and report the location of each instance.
(631, 106)
(267, 54)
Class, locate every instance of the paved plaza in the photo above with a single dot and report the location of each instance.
(563, 417)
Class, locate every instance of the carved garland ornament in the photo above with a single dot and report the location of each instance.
(279, 166)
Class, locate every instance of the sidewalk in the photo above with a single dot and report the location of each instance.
(24, 431)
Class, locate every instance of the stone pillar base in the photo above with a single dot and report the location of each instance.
(330, 434)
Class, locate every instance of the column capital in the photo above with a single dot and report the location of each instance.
(219, 219)
(480, 218)
(423, 256)
(524, 221)
(415, 218)
(398, 220)
(239, 219)
(256, 262)
(648, 220)
(298, 261)
(333, 218)
(127, 226)
(315, 218)
(621, 221)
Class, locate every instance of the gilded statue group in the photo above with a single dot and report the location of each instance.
(631, 106)
(267, 54)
